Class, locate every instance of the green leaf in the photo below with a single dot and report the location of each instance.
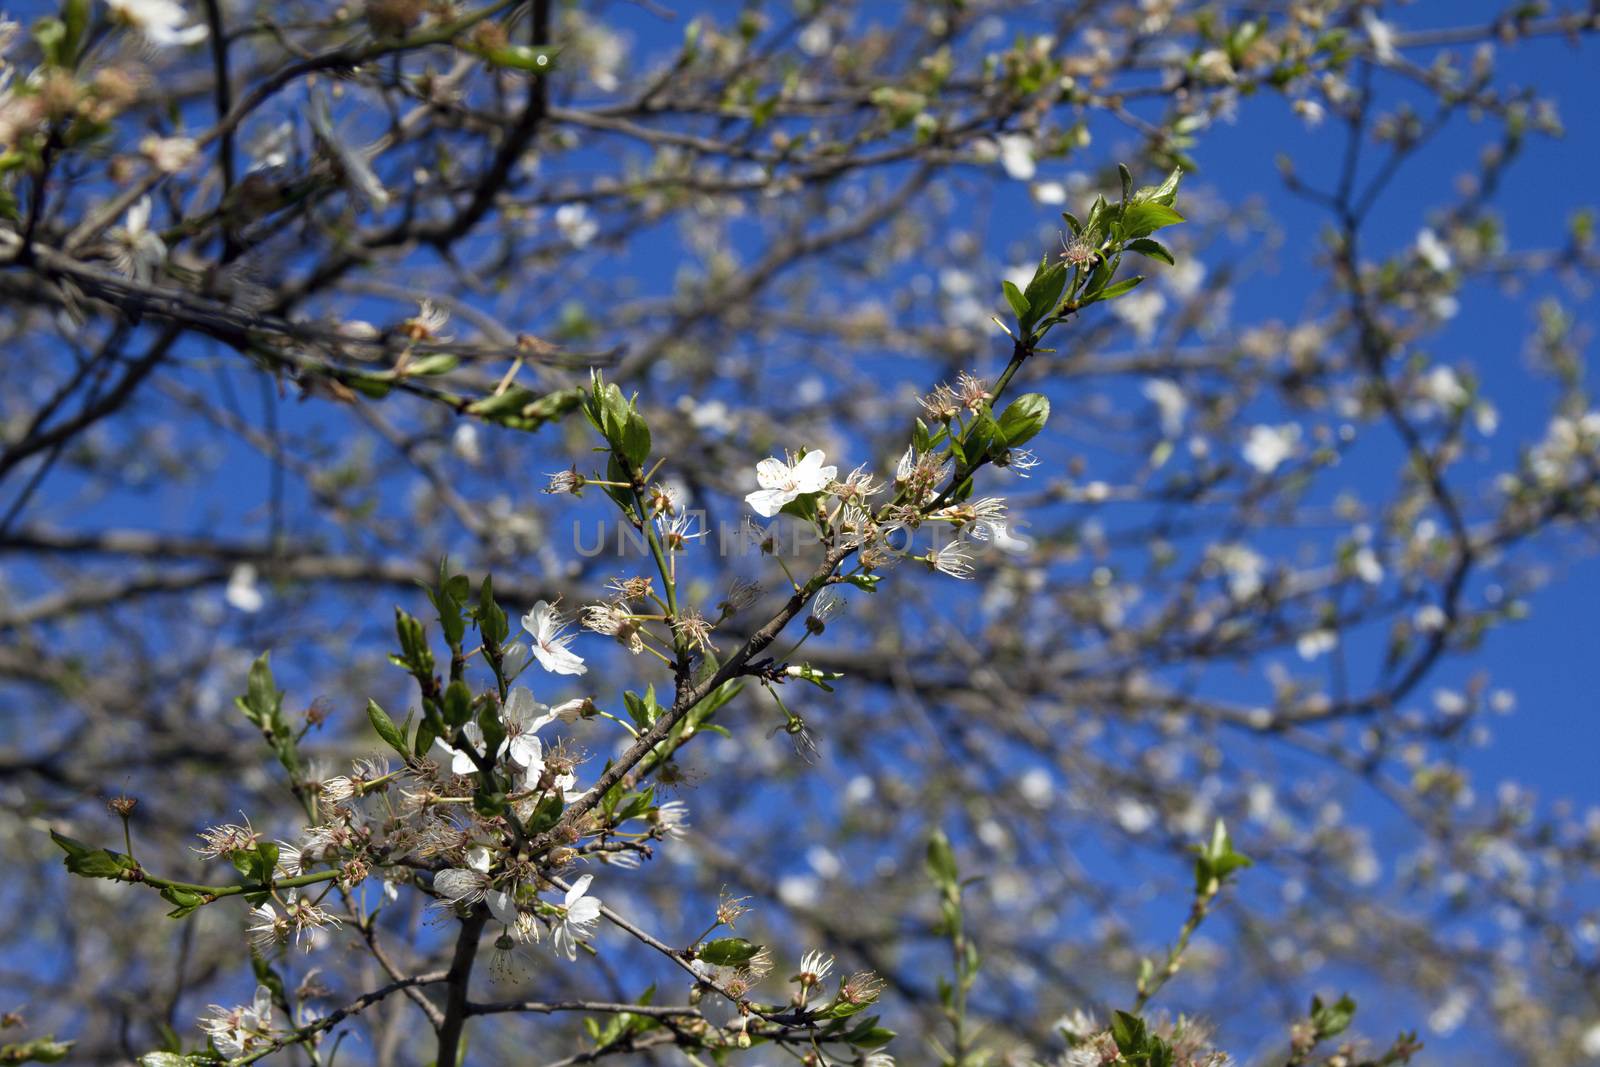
(982, 432)
(184, 901)
(448, 598)
(1044, 291)
(415, 655)
(510, 402)
(1018, 302)
(39, 1050)
(492, 623)
(427, 733)
(1024, 418)
(386, 729)
(546, 814)
(432, 365)
(870, 1036)
(1128, 1031)
(492, 725)
(635, 439)
(536, 59)
(1140, 220)
(1111, 292)
(941, 861)
(1165, 193)
(262, 703)
(728, 951)
(522, 409)
(75, 17)
(643, 714)
(457, 704)
(1217, 860)
(51, 35)
(1145, 246)
(1330, 1020)
(86, 861)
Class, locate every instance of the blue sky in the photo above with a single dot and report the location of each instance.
(1547, 661)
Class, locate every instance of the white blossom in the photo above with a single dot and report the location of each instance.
(169, 154)
(550, 640)
(460, 761)
(161, 22)
(1016, 156)
(514, 660)
(952, 559)
(265, 928)
(241, 592)
(1047, 193)
(464, 442)
(1381, 35)
(816, 38)
(1214, 66)
(1433, 251)
(236, 1031)
(524, 717)
(1266, 447)
(1141, 310)
(1244, 569)
(579, 914)
(1314, 643)
(1430, 618)
(576, 224)
(1366, 565)
(139, 249)
(782, 482)
(465, 885)
(1310, 111)
(1443, 388)
(1590, 1042)
(1172, 403)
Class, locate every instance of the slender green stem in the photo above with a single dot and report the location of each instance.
(1197, 915)
(219, 891)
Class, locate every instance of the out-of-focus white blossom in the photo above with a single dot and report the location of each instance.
(1267, 447)
(242, 593)
(164, 23)
(1016, 156)
(575, 223)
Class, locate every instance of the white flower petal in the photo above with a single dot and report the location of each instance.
(768, 502)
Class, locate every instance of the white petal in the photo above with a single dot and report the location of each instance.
(567, 710)
(768, 502)
(520, 707)
(263, 1005)
(772, 473)
(538, 622)
(816, 481)
(457, 884)
(139, 215)
(809, 462)
(527, 751)
(503, 906)
(558, 660)
(578, 889)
